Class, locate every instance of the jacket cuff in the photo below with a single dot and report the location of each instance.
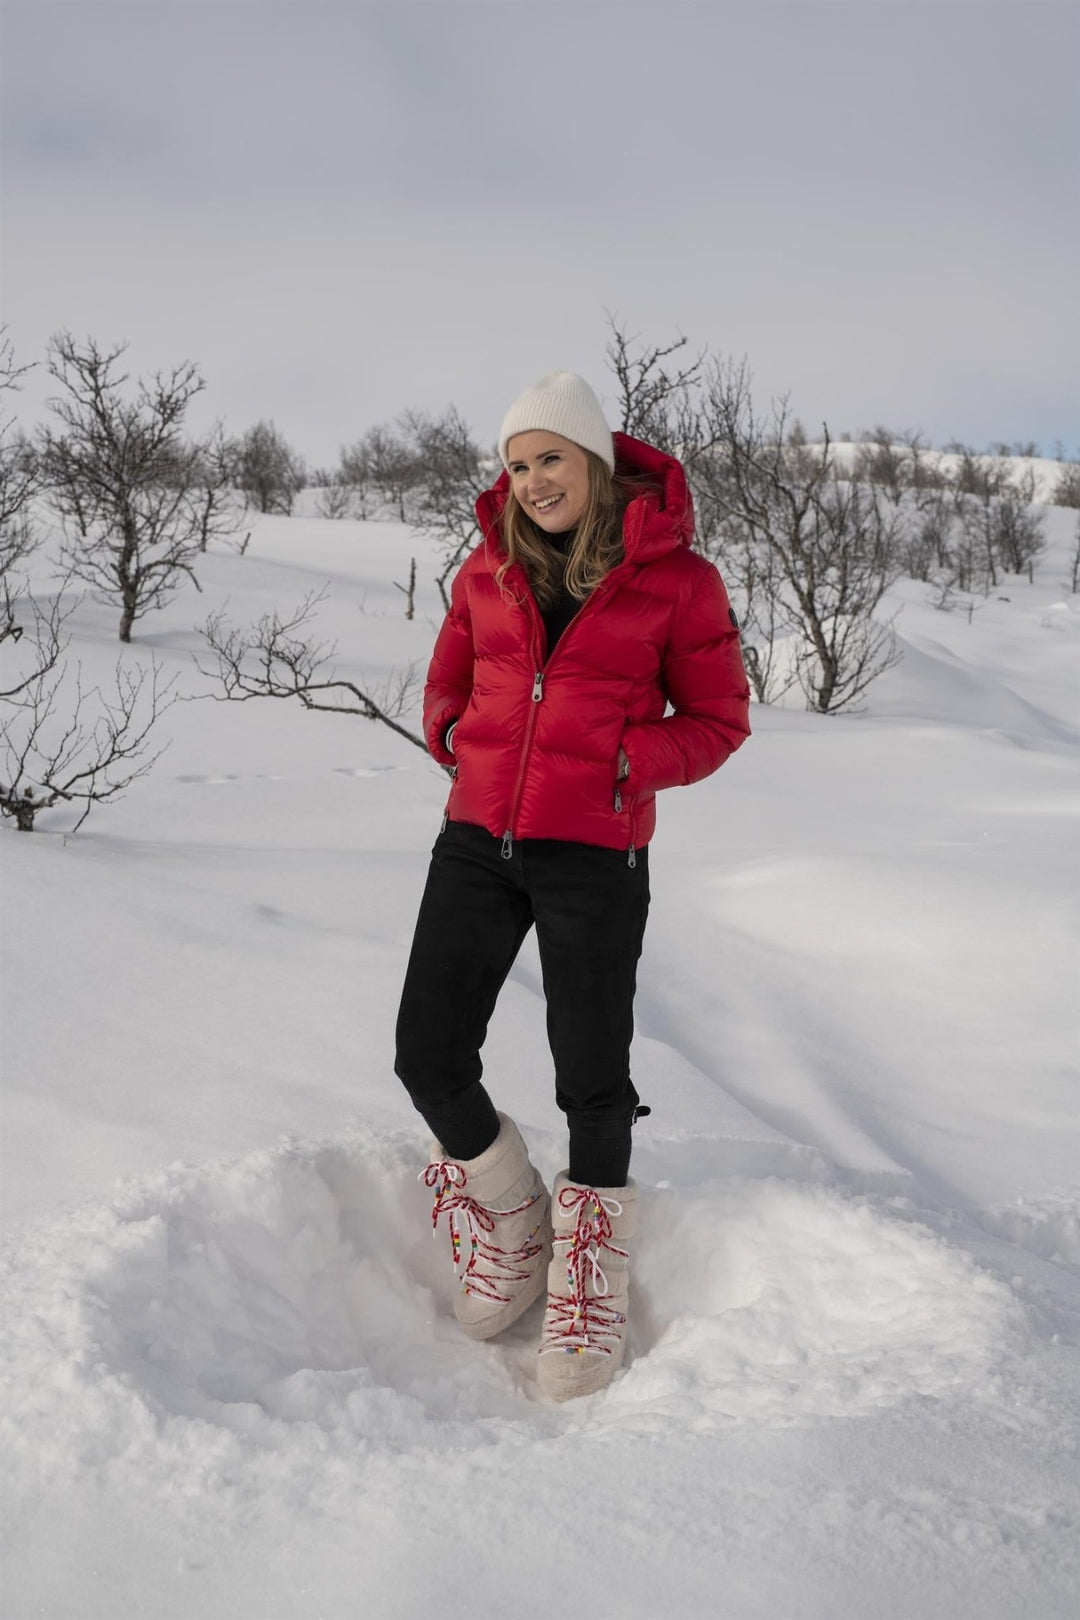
(435, 736)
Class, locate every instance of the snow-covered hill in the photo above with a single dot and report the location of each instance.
(1044, 472)
(236, 1388)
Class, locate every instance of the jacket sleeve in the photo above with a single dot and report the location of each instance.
(706, 685)
(450, 673)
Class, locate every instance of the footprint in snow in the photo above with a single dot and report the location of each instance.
(218, 781)
(273, 776)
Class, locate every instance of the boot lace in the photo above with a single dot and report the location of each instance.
(582, 1322)
(489, 1268)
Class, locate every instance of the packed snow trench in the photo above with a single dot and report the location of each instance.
(235, 1386)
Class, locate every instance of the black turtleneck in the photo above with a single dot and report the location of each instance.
(562, 610)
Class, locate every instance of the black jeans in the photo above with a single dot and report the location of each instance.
(589, 906)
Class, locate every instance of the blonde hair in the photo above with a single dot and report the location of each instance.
(597, 546)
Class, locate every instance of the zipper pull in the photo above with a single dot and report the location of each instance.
(507, 845)
(631, 856)
(618, 799)
(538, 686)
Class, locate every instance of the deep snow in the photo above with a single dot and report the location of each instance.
(236, 1388)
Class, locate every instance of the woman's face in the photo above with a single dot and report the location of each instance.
(550, 478)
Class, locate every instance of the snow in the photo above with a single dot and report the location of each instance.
(235, 1385)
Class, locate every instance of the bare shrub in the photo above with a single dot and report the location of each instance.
(124, 482)
(450, 473)
(267, 469)
(385, 460)
(20, 468)
(212, 471)
(1066, 491)
(278, 657)
(998, 532)
(824, 545)
(655, 404)
(337, 498)
(61, 742)
(900, 463)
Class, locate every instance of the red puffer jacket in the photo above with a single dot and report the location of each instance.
(537, 743)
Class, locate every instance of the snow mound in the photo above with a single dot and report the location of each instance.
(291, 1305)
(791, 1301)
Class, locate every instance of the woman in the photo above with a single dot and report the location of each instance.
(582, 615)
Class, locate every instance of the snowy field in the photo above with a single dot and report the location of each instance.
(236, 1389)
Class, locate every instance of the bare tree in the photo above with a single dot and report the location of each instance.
(355, 473)
(450, 473)
(122, 478)
(20, 469)
(984, 476)
(753, 577)
(925, 541)
(213, 474)
(1066, 491)
(38, 653)
(354, 476)
(665, 408)
(1074, 575)
(40, 631)
(1019, 538)
(655, 404)
(352, 489)
(278, 658)
(390, 460)
(1023, 449)
(998, 530)
(827, 543)
(268, 470)
(337, 497)
(60, 743)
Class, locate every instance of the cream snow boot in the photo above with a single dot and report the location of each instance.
(498, 1204)
(584, 1332)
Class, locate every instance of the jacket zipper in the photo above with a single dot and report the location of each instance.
(538, 697)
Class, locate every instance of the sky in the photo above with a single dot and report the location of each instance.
(340, 212)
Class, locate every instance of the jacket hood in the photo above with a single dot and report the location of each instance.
(660, 519)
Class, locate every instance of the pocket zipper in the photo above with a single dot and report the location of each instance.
(631, 853)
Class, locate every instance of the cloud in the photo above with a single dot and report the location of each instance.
(340, 212)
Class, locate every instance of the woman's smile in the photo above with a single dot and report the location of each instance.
(550, 478)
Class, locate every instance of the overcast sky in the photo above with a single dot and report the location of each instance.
(340, 211)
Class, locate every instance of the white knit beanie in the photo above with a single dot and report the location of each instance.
(562, 402)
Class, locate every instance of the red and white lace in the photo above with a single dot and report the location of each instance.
(583, 1323)
(488, 1268)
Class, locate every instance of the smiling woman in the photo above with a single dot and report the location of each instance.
(581, 617)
